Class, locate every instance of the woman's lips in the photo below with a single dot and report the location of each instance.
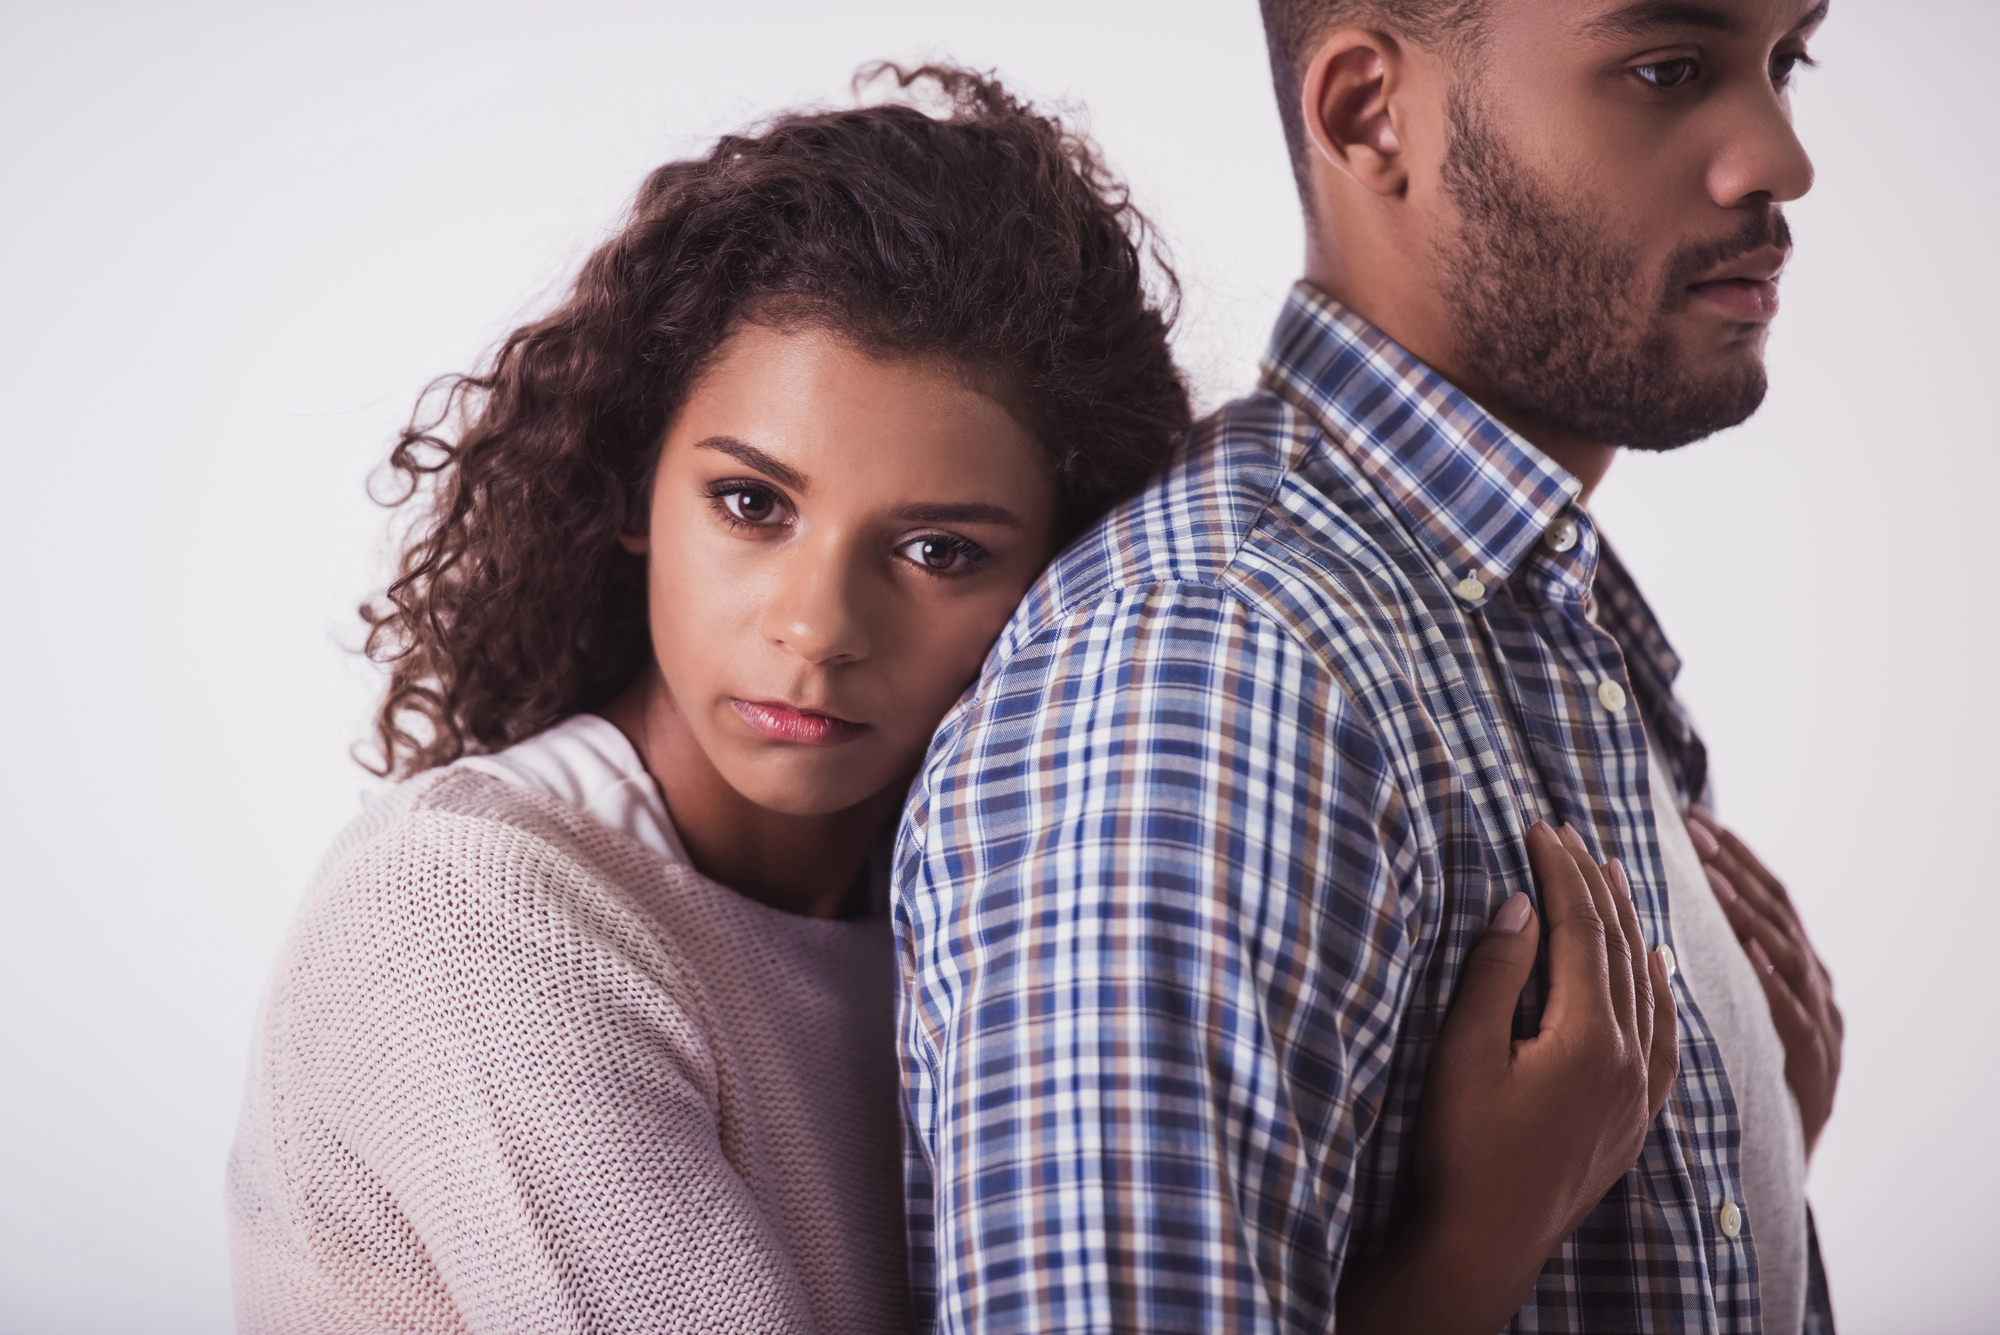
(1753, 299)
(780, 722)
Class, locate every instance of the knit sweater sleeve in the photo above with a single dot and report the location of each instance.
(485, 1099)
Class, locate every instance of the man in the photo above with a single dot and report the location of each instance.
(1192, 876)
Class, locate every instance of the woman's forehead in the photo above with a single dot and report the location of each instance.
(820, 413)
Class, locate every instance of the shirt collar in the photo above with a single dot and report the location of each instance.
(1475, 494)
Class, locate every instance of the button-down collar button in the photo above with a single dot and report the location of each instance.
(1471, 589)
(1731, 1219)
(1666, 954)
(1561, 535)
(1612, 694)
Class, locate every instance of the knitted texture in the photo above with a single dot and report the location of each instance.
(515, 1072)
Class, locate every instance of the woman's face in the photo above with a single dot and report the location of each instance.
(835, 542)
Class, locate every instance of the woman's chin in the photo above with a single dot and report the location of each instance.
(814, 784)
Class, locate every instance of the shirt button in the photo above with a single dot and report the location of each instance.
(1731, 1219)
(1561, 535)
(1612, 694)
(1471, 589)
(1666, 954)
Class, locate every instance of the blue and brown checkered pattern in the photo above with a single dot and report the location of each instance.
(1189, 874)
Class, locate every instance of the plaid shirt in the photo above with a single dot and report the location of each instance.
(1188, 876)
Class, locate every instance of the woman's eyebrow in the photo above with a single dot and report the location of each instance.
(745, 452)
(969, 513)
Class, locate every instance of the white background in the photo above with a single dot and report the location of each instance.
(235, 240)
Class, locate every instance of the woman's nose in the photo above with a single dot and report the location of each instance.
(818, 611)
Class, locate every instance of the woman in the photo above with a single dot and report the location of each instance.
(589, 1026)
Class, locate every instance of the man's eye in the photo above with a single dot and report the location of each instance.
(940, 554)
(1786, 63)
(1667, 73)
(750, 505)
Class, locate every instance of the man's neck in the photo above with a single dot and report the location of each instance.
(1425, 334)
(1586, 460)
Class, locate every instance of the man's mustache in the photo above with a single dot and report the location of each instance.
(1761, 230)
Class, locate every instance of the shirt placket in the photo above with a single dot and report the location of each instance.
(1571, 687)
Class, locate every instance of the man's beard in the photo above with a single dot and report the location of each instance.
(1552, 316)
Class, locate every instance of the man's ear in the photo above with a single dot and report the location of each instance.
(1349, 108)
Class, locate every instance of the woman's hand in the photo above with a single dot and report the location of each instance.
(1795, 982)
(1519, 1140)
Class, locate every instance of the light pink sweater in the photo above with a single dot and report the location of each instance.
(516, 1072)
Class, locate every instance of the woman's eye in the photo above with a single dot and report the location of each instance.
(940, 554)
(750, 505)
(1666, 73)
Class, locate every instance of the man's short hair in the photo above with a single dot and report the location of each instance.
(1294, 28)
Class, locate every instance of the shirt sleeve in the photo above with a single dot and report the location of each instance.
(493, 1108)
(1158, 895)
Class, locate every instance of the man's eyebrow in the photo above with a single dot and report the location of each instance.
(969, 513)
(745, 452)
(1814, 15)
(1645, 17)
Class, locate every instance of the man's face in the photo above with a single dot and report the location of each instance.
(1617, 172)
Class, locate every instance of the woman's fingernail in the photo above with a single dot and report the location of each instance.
(1756, 953)
(1702, 816)
(1724, 891)
(1704, 842)
(1513, 915)
(1617, 870)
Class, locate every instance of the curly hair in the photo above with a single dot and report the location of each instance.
(990, 235)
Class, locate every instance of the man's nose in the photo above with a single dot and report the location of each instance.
(820, 610)
(1760, 159)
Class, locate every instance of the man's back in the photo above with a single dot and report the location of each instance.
(1190, 876)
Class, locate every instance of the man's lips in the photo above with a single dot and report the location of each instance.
(780, 722)
(1746, 289)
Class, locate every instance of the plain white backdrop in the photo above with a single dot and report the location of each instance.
(235, 240)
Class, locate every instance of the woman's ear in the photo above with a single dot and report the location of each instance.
(636, 543)
(1350, 111)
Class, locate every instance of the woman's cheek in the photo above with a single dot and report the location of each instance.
(707, 586)
(972, 631)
